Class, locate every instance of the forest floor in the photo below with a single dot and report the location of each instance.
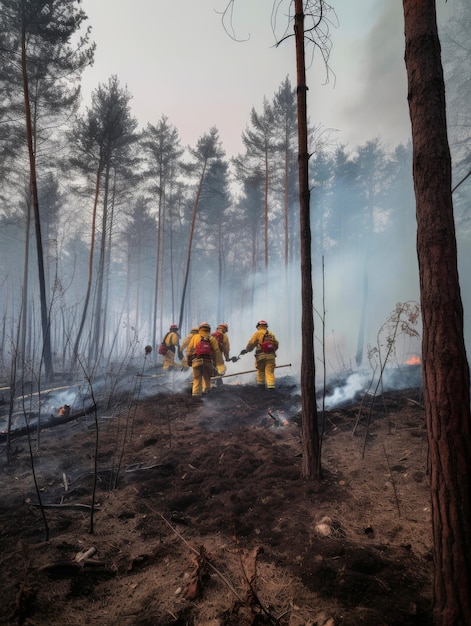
(201, 517)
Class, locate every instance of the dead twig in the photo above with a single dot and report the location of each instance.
(252, 597)
(392, 481)
(83, 507)
(197, 553)
(419, 404)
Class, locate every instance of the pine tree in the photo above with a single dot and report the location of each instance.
(102, 140)
(163, 150)
(36, 41)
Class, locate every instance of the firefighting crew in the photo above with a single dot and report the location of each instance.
(171, 340)
(266, 345)
(201, 354)
(224, 348)
(184, 345)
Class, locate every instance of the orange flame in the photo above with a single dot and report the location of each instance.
(414, 360)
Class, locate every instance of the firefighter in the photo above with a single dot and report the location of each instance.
(202, 354)
(184, 345)
(266, 345)
(224, 348)
(171, 340)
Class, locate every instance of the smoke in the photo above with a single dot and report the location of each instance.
(277, 299)
(369, 382)
(353, 385)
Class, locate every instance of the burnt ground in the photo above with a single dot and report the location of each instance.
(202, 517)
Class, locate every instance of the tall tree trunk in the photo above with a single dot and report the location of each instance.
(220, 302)
(105, 323)
(94, 352)
(157, 266)
(21, 349)
(286, 195)
(75, 351)
(265, 219)
(445, 366)
(311, 467)
(46, 351)
(192, 230)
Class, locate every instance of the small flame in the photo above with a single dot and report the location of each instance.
(414, 360)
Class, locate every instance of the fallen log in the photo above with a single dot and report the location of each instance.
(46, 422)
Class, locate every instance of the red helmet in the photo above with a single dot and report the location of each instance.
(262, 323)
(173, 327)
(223, 327)
(205, 325)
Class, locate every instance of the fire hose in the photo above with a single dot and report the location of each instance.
(247, 372)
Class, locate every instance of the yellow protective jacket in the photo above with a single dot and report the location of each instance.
(186, 342)
(194, 341)
(172, 340)
(258, 338)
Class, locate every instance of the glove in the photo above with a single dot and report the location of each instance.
(243, 351)
(228, 360)
(180, 355)
(234, 359)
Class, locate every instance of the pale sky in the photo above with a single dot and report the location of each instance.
(176, 60)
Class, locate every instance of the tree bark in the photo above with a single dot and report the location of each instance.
(311, 467)
(46, 352)
(190, 243)
(75, 352)
(94, 353)
(445, 366)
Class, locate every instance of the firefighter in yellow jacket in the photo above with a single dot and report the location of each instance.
(266, 345)
(171, 340)
(184, 345)
(222, 338)
(201, 354)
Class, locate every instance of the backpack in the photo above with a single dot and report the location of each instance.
(203, 347)
(163, 348)
(268, 345)
(220, 339)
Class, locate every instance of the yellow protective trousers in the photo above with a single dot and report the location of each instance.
(265, 366)
(220, 364)
(202, 371)
(169, 360)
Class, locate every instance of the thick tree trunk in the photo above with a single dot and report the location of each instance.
(311, 467)
(445, 366)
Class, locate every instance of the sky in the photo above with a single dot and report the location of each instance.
(177, 60)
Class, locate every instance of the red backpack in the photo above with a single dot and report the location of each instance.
(268, 345)
(163, 348)
(220, 339)
(203, 347)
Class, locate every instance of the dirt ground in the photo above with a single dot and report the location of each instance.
(201, 517)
